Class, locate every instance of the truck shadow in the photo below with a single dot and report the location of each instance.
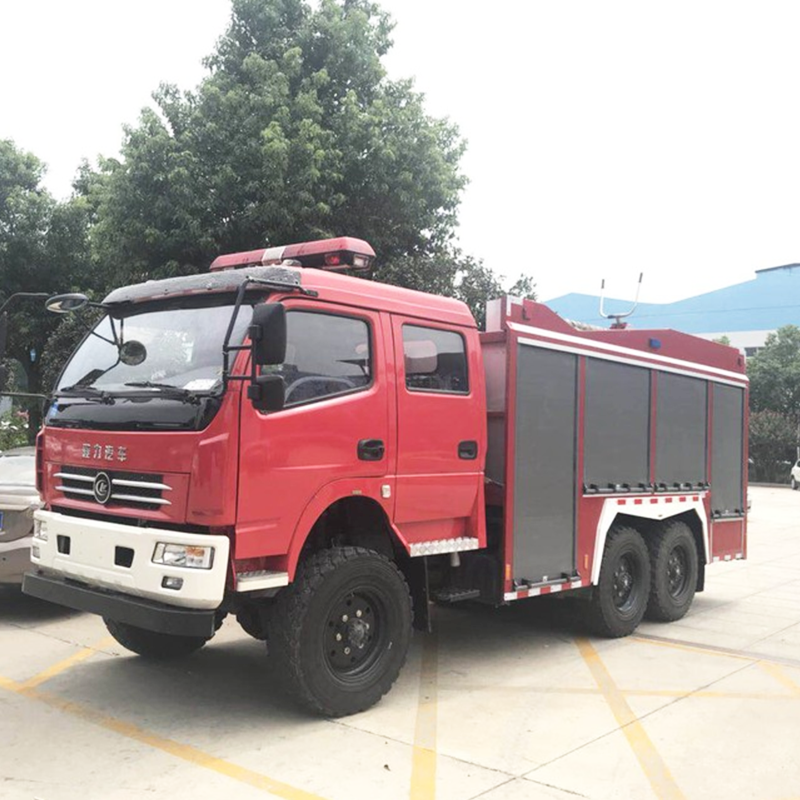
(21, 609)
(231, 687)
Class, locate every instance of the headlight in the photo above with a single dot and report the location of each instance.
(39, 531)
(184, 555)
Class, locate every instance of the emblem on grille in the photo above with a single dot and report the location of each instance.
(102, 488)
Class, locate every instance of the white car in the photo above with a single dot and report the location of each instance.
(795, 480)
(18, 500)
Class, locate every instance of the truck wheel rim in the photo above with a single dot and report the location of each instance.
(354, 634)
(677, 571)
(626, 583)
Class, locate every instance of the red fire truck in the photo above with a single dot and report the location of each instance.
(322, 456)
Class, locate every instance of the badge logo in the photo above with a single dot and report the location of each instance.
(102, 488)
(107, 452)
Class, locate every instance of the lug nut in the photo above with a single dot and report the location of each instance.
(345, 617)
(347, 651)
(358, 613)
(338, 637)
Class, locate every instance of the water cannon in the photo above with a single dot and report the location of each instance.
(618, 324)
(335, 255)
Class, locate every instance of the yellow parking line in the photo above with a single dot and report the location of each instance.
(518, 689)
(67, 663)
(715, 650)
(705, 695)
(780, 675)
(183, 751)
(423, 764)
(694, 648)
(643, 748)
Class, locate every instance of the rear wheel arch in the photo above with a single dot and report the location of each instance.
(649, 526)
(361, 521)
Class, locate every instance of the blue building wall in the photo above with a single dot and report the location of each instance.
(766, 303)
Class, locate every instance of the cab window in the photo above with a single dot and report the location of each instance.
(435, 360)
(326, 355)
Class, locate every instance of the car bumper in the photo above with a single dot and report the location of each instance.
(15, 559)
(116, 557)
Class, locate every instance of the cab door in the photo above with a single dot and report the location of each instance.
(334, 427)
(441, 438)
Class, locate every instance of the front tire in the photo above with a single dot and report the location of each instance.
(339, 634)
(151, 644)
(619, 600)
(674, 565)
(794, 484)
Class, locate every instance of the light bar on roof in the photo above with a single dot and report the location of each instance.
(341, 253)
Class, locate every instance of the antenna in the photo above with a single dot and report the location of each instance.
(618, 324)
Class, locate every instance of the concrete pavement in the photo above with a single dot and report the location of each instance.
(510, 703)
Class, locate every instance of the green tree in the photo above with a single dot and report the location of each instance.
(774, 374)
(296, 133)
(772, 438)
(448, 271)
(43, 248)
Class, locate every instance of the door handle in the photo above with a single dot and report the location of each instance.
(371, 449)
(468, 450)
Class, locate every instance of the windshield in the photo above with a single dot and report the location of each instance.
(180, 347)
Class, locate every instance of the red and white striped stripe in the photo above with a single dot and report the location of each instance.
(548, 588)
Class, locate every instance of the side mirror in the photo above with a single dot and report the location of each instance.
(268, 334)
(66, 303)
(267, 393)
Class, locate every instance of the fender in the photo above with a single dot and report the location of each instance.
(656, 507)
(372, 488)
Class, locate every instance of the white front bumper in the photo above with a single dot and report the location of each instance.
(93, 552)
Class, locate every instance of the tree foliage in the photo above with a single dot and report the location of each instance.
(774, 374)
(295, 133)
(772, 445)
(43, 248)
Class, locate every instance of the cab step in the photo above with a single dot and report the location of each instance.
(455, 595)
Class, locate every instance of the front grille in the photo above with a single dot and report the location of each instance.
(138, 489)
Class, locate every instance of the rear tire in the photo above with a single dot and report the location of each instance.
(153, 645)
(339, 634)
(673, 577)
(619, 600)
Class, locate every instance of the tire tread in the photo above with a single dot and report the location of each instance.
(600, 622)
(286, 622)
(659, 607)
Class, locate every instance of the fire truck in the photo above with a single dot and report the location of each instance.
(324, 456)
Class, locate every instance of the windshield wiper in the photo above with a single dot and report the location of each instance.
(89, 392)
(167, 389)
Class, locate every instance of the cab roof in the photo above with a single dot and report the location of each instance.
(332, 287)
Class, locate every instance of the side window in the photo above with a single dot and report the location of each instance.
(435, 360)
(326, 355)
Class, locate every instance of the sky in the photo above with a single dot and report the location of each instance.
(604, 139)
